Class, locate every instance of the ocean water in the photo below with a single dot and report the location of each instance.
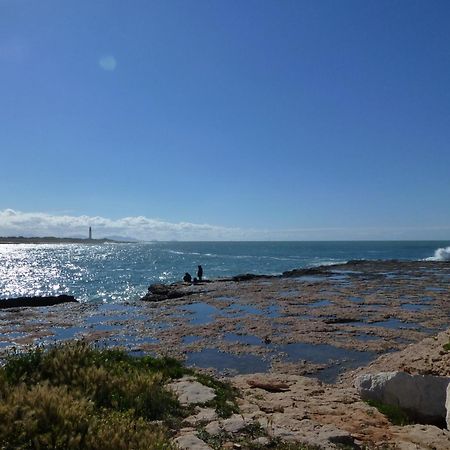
(115, 273)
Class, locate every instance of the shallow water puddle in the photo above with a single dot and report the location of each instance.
(272, 311)
(244, 309)
(367, 337)
(9, 339)
(227, 298)
(414, 307)
(341, 359)
(320, 303)
(226, 362)
(64, 333)
(289, 294)
(435, 289)
(242, 338)
(310, 278)
(389, 323)
(201, 313)
(190, 339)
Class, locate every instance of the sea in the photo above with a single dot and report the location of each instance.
(122, 272)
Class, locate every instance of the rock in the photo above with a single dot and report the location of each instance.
(159, 292)
(36, 301)
(423, 396)
(447, 406)
(412, 437)
(337, 320)
(268, 386)
(261, 441)
(189, 391)
(204, 415)
(247, 277)
(234, 424)
(310, 432)
(213, 428)
(321, 270)
(191, 442)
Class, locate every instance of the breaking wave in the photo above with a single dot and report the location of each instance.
(441, 254)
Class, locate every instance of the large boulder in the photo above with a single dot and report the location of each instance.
(422, 396)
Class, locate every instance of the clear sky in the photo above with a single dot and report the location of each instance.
(261, 119)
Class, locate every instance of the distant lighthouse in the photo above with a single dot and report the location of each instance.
(90, 233)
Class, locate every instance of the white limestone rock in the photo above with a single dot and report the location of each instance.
(203, 415)
(191, 442)
(234, 424)
(189, 391)
(422, 395)
(213, 428)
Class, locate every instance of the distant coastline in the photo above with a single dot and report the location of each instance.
(57, 240)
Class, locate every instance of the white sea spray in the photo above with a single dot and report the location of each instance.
(441, 254)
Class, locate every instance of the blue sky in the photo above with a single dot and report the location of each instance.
(262, 119)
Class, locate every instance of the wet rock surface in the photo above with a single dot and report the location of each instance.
(333, 323)
(320, 322)
(20, 302)
(160, 292)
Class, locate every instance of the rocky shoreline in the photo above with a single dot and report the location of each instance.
(333, 323)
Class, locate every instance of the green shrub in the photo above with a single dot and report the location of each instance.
(48, 417)
(62, 363)
(108, 377)
(74, 396)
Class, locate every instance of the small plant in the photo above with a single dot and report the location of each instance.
(447, 347)
(225, 401)
(395, 414)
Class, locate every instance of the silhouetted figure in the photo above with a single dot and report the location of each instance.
(195, 281)
(200, 273)
(187, 278)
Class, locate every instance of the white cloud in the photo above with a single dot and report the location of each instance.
(13, 223)
(108, 62)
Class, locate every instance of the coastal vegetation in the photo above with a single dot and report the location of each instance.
(77, 396)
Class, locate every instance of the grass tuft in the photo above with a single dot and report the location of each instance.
(226, 395)
(395, 414)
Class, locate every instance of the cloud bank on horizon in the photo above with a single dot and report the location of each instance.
(29, 224)
(13, 223)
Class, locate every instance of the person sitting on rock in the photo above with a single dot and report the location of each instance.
(187, 278)
(200, 273)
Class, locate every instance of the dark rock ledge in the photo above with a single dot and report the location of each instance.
(36, 301)
(160, 292)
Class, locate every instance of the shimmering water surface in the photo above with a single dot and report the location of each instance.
(115, 273)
